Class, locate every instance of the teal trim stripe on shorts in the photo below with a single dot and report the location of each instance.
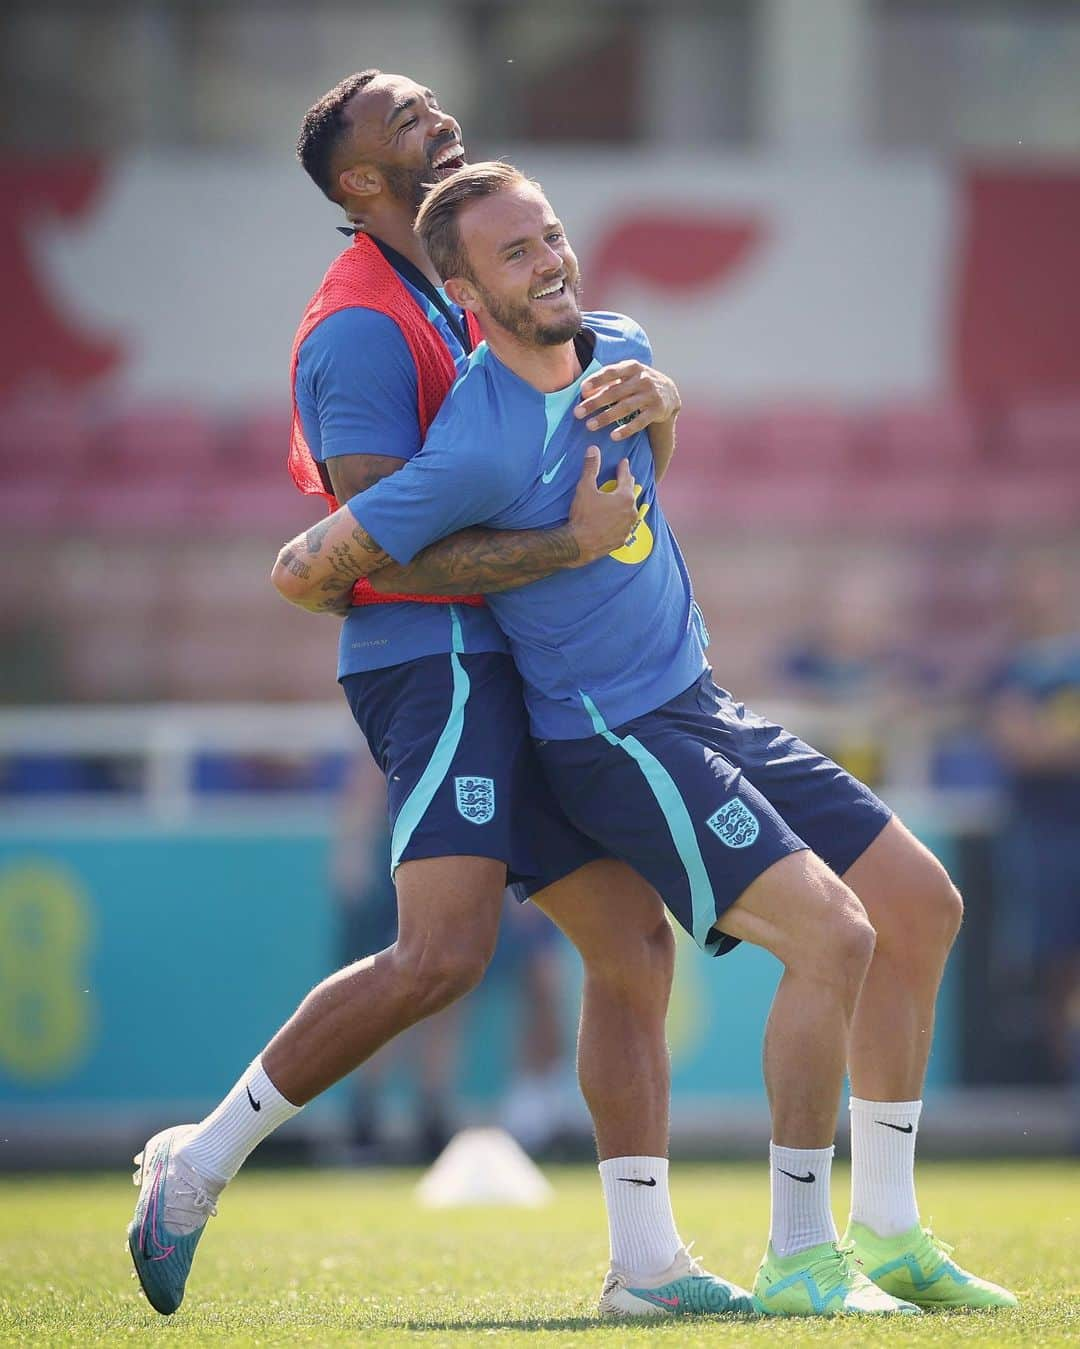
(669, 799)
(431, 779)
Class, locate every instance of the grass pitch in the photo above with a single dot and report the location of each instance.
(323, 1258)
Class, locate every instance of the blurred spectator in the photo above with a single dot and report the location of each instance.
(1035, 724)
(542, 1106)
(858, 654)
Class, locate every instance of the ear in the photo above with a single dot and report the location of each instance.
(463, 293)
(360, 180)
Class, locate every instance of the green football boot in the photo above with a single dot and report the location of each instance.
(174, 1204)
(917, 1266)
(821, 1281)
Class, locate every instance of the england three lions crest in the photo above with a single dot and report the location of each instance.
(735, 824)
(475, 799)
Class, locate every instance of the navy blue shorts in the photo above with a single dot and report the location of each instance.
(701, 796)
(451, 736)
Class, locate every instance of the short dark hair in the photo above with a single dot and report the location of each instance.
(437, 220)
(323, 129)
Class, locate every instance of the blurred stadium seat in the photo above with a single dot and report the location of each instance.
(1042, 433)
(941, 435)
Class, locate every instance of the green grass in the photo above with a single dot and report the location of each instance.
(320, 1258)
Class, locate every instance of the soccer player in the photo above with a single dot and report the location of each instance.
(747, 832)
(435, 692)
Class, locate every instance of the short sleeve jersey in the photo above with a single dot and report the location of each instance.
(595, 645)
(356, 394)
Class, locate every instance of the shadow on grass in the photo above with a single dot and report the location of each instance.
(579, 1323)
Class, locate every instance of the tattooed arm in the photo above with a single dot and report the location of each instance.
(489, 560)
(317, 569)
(477, 561)
(348, 474)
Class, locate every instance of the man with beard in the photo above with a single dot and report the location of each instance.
(435, 692)
(747, 832)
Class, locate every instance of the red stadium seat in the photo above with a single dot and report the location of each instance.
(1042, 432)
(922, 435)
(768, 501)
(709, 442)
(259, 441)
(158, 440)
(44, 439)
(255, 507)
(911, 501)
(137, 506)
(29, 507)
(1034, 501)
(810, 437)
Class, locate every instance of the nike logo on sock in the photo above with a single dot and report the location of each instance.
(806, 1180)
(632, 1180)
(255, 1105)
(900, 1128)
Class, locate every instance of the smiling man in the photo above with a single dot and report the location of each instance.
(435, 692)
(747, 832)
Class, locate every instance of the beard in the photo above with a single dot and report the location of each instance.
(409, 186)
(521, 321)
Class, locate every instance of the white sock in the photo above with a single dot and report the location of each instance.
(801, 1192)
(641, 1224)
(253, 1109)
(883, 1135)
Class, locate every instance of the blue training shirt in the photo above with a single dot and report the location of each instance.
(356, 393)
(595, 645)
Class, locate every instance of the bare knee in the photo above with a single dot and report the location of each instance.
(440, 968)
(923, 920)
(839, 945)
(636, 964)
(946, 904)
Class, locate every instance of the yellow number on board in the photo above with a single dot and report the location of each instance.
(45, 1010)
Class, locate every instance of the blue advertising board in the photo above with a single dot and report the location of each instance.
(143, 968)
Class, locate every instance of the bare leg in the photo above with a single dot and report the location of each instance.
(817, 929)
(916, 912)
(619, 926)
(448, 918)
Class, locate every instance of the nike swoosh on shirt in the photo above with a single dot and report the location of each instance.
(550, 473)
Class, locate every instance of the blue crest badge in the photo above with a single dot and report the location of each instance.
(735, 824)
(475, 799)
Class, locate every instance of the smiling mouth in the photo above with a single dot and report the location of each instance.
(553, 292)
(449, 158)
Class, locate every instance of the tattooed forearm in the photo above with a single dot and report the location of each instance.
(292, 564)
(481, 560)
(313, 539)
(317, 570)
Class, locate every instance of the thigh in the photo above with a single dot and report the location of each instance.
(799, 910)
(904, 888)
(837, 815)
(604, 906)
(448, 905)
(449, 733)
(657, 794)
